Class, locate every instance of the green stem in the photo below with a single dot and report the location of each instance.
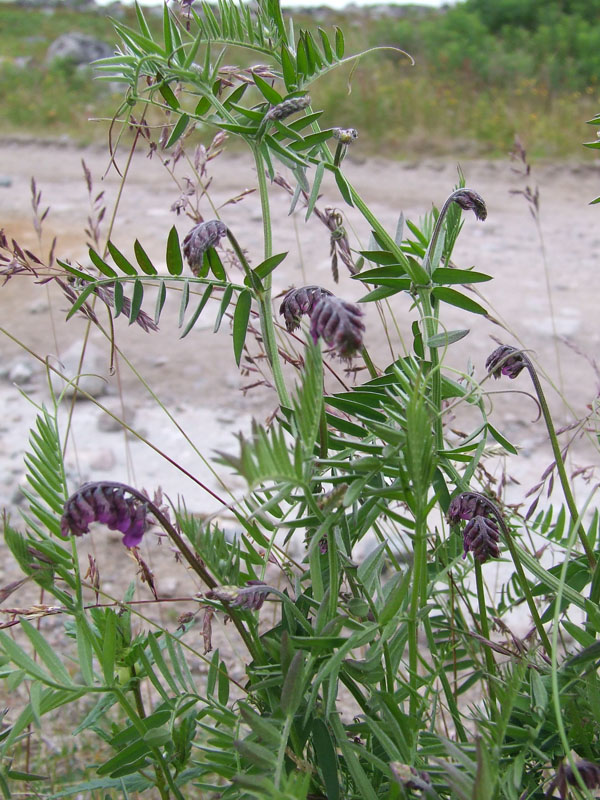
(485, 632)
(264, 299)
(560, 464)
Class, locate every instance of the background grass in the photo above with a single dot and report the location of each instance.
(484, 72)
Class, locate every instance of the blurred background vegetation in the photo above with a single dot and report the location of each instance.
(486, 70)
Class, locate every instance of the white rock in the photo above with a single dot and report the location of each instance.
(20, 372)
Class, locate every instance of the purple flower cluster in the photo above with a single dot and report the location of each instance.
(200, 239)
(332, 319)
(106, 503)
(505, 360)
(480, 535)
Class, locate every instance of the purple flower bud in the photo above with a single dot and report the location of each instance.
(469, 200)
(505, 360)
(200, 239)
(481, 537)
(339, 324)
(298, 302)
(106, 503)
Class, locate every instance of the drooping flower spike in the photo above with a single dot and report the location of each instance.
(112, 504)
(481, 534)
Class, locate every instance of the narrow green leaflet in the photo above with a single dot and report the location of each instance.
(223, 307)
(326, 44)
(267, 91)
(445, 275)
(502, 440)
(194, 318)
(339, 43)
(455, 298)
(185, 297)
(119, 298)
(174, 259)
(314, 194)
(445, 339)
(81, 299)
(168, 94)
(136, 301)
(289, 69)
(142, 22)
(143, 260)
(268, 265)
(160, 301)
(122, 263)
(84, 276)
(241, 317)
(101, 265)
(216, 265)
(343, 187)
(178, 130)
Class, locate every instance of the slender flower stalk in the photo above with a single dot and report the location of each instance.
(510, 361)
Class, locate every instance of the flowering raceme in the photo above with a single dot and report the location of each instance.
(332, 319)
(106, 503)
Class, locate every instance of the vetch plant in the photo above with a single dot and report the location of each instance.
(376, 657)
